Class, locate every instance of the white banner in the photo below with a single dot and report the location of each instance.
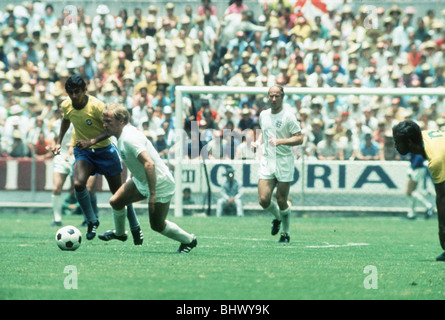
(370, 177)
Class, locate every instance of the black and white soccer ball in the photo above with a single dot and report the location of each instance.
(68, 238)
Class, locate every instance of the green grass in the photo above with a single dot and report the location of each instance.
(236, 259)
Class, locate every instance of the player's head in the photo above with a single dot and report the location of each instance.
(275, 96)
(118, 111)
(75, 87)
(407, 136)
(75, 82)
(275, 88)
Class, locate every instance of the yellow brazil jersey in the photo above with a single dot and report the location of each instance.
(87, 122)
(434, 144)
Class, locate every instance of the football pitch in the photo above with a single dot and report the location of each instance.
(347, 258)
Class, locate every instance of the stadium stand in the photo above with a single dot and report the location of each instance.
(138, 54)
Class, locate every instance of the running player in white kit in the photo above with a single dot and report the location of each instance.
(150, 179)
(280, 131)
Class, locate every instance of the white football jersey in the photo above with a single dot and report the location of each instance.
(282, 125)
(133, 142)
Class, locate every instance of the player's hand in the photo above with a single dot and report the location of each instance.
(83, 144)
(55, 149)
(273, 141)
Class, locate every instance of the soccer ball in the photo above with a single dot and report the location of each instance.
(68, 238)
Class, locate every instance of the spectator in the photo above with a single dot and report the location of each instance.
(369, 149)
(348, 146)
(18, 148)
(246, 122)
(389, 152)
(187, 200)
(160, 143)
(237, 6)
(144, 58)
(231, 193)
(327, 149)
(206, 4)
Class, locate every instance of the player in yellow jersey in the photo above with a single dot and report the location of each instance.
(430, 144)
(94, 153)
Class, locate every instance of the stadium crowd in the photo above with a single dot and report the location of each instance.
(138, 58)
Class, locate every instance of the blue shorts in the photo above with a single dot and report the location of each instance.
(105, 161)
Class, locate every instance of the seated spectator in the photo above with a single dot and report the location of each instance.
(205, 105)
(160, 143)
(41, 149)
(187, 200)
(369, 149)
(388, 150)
(327, 149)
(246, 121)
(316, 134)
(349, 146)
(18, 148)
(231, 193)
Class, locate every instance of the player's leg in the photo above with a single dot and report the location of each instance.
(282, 200)
(82, 171)
(417, 194)
(410, 187)
(265, 189)
(91, 186)
(122, 197)
(115, 183)
(56, 197)
(159, 223)
(440, 203)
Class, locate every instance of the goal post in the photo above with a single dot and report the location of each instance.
(181, 91)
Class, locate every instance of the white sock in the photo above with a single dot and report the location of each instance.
(421, 198)
(57, 206)
(273, 208)
(412, 210)
(174, 232)
(119, 221)
(285, 219)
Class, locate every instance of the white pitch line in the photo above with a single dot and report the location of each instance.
(351, 244)
(327, 245)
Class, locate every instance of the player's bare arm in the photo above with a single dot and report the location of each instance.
(295, 140)
(83, 144)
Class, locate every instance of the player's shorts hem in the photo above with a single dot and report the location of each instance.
(164, 190)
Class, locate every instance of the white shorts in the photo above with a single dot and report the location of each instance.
(63, 165)
(165, 189)
(280, 168)
(417, 174)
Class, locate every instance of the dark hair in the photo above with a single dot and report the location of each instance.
(407, 129)
(74, 82)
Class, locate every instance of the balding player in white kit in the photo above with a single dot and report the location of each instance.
(280, 131)
(150, 179)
